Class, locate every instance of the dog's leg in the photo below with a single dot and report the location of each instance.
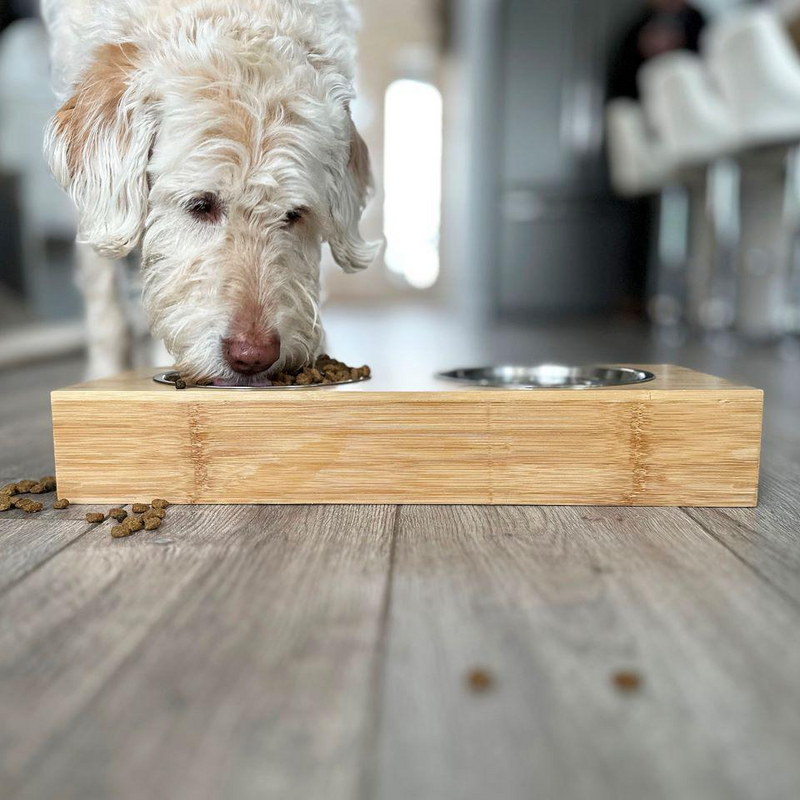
(107, 331)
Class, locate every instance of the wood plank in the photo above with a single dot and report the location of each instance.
(553, 602)
(766, 538)
(25, 544)
(234, 662)
(685, 439)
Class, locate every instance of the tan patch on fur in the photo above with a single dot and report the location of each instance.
(96, 99)
(359, 159)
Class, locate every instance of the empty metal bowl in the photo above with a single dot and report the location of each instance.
(549, 376)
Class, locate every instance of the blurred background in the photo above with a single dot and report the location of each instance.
(581, 179)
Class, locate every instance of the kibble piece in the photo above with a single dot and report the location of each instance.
(152, 523)
(27, 505)
(118, 514)
(49, 483)
(180, 384)
(5, 503)
(60, 505)
(121, 531)
(366, 372)
(38, 488)
(133, 524)
(627, 682)
(159, 504)
(140, 508)
(158, 513)
(23, 487)
(9, 489)
(480, 680)
(95, 518)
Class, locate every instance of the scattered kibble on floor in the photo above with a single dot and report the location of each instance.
(480, 680)
(144, 516)
(626, 681)
(27, 505)
(134, 524)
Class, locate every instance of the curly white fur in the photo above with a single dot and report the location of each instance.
(243, 101)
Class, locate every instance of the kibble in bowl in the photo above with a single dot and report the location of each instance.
(325, 371)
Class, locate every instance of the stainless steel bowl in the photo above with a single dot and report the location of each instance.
(171, 378)
(549, 376)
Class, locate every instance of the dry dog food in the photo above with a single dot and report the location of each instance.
(5, 502)
(43, 485)
(95, 518)
(151, 523)
(158, 513)
(139, 508)
(60, 505)
(130, 526)
(627, 682)
(134, 524)
(160, 504)
(324, 371)
(27, 505)
(480, 680)
(119, 514)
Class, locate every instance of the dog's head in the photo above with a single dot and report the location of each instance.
(230, 155)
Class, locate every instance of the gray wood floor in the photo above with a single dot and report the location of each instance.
(304, 652)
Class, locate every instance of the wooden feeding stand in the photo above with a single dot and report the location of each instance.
(684, 439)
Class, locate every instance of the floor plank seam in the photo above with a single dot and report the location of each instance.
(369, 769)
(774, 586)
(53, 741)
(17, 581)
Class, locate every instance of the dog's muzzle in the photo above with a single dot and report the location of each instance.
(251, 356)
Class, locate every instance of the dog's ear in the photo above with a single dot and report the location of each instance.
(98, 145)
(350, 194)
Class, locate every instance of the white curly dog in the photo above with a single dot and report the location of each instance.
(216, 135)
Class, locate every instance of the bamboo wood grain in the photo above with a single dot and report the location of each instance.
(686, 439)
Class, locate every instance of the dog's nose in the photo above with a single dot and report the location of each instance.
(251, 356)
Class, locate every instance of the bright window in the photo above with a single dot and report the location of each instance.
(413, 181)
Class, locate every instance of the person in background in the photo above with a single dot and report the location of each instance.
(663, 26)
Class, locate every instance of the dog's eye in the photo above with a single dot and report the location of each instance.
(205, 207)
(294, 216)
